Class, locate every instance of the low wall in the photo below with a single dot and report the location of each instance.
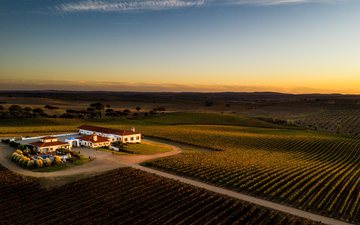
(56, 135)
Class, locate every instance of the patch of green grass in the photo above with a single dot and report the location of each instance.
(112, 152)
(145, 148)
(148, 148)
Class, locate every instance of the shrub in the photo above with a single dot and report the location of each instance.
(26, 152)
(62, 151)
(14, 155)
(21, 147)
(17, 158)
(74, 155)
(47, 162)
(19, 152)
(5, 141)
(57, 160)
(14, 144)
(25, 161)
(30, 164)
(39, 163)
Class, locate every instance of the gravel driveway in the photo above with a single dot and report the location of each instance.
(102, 162)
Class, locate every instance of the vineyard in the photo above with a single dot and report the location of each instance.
(32, 126)
(206, 119)
(126, 196)
(311, 171)
(305, 169)
(342, 120)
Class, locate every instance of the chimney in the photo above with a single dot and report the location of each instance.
(95, 137)
(133, 129)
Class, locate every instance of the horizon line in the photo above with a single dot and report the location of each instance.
(184, 92)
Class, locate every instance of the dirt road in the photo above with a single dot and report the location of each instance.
(102, 162)
(247, 198)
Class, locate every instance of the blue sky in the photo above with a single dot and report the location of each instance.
(235, 45)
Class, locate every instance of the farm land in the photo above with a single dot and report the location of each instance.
(126, 196)
(302, 151)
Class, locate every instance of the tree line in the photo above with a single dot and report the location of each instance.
(93, 111)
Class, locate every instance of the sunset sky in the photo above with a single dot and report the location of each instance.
(297, 46)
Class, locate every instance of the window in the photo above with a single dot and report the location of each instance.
(137, 137)
(126, 139)
(132, 138)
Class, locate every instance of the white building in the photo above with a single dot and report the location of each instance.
(124, 136)
(49, 144)
(94, 141)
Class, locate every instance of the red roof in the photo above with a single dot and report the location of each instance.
(107, 130)
(48, 144)
(91, 138)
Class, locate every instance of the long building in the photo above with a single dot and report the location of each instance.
(124, 136)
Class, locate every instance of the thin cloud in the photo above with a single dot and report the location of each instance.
(121, 6)
(148, 5)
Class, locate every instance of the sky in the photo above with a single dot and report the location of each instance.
(295, 46)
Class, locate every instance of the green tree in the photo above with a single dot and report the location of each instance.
(38, 111)
(14, 108)
(97, 106)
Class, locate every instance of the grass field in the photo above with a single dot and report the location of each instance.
(126, 196)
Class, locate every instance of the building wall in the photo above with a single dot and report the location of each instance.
(136, 138)
(101, 144)
(52, 149)
(112, 137)
(93, 145)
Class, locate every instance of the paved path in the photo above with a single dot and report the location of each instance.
(247, 198)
